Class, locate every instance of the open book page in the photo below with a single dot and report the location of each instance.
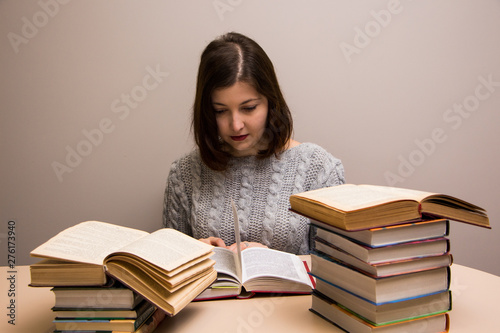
(88, 242)
(350, 197)
(259, 262)
(225, 262)
(167, 248)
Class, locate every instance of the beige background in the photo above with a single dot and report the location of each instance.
(398, 90)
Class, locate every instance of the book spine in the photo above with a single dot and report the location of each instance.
(150, 325)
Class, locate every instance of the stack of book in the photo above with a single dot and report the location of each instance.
(381, 256)
(112, 278)
(107, 308)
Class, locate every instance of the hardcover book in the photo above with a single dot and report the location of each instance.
(166, 267)
(385, 313)
(393, 234)
(358, 207)
(242, 273)
(261, 270)
(374, 255)
(384, 268)
(380, 290)
(350, 322)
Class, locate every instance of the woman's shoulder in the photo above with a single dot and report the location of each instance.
(191, 157)
(186, 161)
(310, 149)
(318, 161)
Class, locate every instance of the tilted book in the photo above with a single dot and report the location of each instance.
(393, 234)
(374, 255)
(382, 269)
(166, 267)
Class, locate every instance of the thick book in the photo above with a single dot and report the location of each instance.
(260, 270)
(385, 313)
(394, 234)
(373, 255)
(381, 290)
(125, 325)
(52, 272)
(110, 311)
(357, 207)
(112, 297)
(349, 322)
(147, 327)
(166, 267)
(385, 268)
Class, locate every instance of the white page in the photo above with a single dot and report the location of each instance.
(225, 262)
(238, 242)
(267, 262)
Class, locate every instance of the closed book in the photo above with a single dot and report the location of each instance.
(384, 313)
(96, 297)
(372, 255)
(380, 290)
(106, 313)
(125, 325)
(349, 322)
(148, 327)
(385, 268)
(393, 234)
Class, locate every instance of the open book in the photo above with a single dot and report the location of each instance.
(243, 273)
(260, 270)
(166, 267)
(357, 207)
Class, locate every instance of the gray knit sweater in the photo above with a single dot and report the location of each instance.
(198, 199)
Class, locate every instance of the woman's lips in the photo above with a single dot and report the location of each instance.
(239, 137)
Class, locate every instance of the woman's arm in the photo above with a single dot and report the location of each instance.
(176, 205)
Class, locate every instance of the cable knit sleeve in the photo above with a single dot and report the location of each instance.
(331, 170)
(325, 171)
(176, 204)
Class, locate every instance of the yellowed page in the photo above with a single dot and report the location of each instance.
(167, 248)
(88, 242)
(352, 197)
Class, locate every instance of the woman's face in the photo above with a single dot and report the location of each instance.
(241, 114)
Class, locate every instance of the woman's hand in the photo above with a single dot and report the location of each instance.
(245, 245)
(215, 241)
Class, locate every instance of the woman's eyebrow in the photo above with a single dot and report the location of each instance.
(244, 102)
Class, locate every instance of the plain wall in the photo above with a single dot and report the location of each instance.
(96, 97)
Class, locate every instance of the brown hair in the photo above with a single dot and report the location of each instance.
(229, 59)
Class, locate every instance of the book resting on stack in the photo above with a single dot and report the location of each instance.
(381, 255)
(107, 277)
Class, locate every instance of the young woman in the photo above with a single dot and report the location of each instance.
(245, 152)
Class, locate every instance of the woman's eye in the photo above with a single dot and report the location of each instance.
(220, 111)
(250, 108)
